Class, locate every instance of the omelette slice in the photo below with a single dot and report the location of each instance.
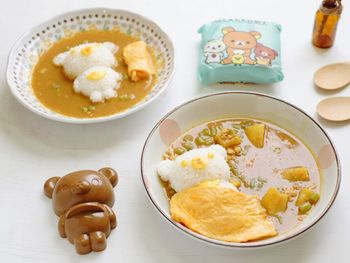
(139, 61)
(222, 213)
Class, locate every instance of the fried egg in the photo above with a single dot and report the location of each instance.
(98, 83)
(217, 210)
(195, 166)
(82, 57)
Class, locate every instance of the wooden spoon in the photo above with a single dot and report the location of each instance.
(333, 76)
(334, 108)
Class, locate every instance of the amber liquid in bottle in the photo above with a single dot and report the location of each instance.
(326, 21)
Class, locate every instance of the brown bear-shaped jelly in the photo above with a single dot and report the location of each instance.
(83, 202)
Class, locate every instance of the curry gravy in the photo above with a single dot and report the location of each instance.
(258, 169)
(56, 92)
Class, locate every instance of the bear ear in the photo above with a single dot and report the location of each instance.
(49, 186)
(59, 59)
(211, 40)
(111, 175)
(112, 47)
(226, 30)
(256, 34)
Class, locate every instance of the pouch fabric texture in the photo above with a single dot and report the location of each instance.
(240, 50)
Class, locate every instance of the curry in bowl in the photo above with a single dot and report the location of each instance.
(94, 73)
(240, 170)
(91, 65)
(239, 180)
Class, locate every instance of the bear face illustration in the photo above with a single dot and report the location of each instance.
(214, 51)
(215, 46)
(83, 201)
(264, 55)
(239, 41)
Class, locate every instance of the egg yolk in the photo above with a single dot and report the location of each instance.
(96, 75)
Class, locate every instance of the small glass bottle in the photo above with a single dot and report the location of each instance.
(326, 21)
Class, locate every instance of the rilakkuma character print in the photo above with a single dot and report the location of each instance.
(239, 42)
(214, 51)
(239, 51)
(238, 57)
(264, 55)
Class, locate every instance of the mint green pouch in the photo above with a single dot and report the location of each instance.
(239, 50)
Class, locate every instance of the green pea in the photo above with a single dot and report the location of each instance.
(219, 126)
(304, 208)
(187, 145)
(84, 108)
(209, 141)
(204, 140)
(204, 137)
(314, 198)
(204, 132)
(252, 183)
(179, 150)
(188, 138)
(262, 180)
(91, 107)
(199, 141)
(260, 185)
(213, 131)
(233, 169)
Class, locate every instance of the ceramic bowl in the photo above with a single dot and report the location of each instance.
(26, 51)
(249, 105)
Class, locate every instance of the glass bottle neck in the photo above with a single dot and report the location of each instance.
(330, 3)
(331, 7)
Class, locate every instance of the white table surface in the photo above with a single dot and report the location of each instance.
(33, 149)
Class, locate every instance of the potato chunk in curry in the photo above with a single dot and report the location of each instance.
(227, 138)
(296, 174)
(274, 201)
(256, 134)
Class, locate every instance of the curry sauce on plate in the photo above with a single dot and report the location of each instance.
(55, 91)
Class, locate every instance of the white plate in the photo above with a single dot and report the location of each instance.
(26, 51)
(241, 105)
